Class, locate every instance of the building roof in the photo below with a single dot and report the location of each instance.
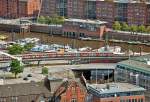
(94, 66)
(24, 0)
(86, 21)
(23, 89)
(140, 64)
(110, 88)
(65, 85)
(123, 1)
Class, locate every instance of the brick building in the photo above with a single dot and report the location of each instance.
(116, 92)
(29, 8)
(75, 8)
(77, 28)
(9, 8)
(148, 15)
(105, 11)
(19, 8)
(136, 13)
(130, 11)
(70, 91)
(24, 92)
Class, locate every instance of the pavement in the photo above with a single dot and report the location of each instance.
(60, 71)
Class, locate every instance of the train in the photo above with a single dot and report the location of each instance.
(60, 55)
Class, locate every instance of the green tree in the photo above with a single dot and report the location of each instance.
(41, 19)
(142, 29)
(15, 49)
(124, 26)
(61, 20)
(16, 67)
(29, 46)
(45, 70)
(148, 29)
(133, 28)
(116, 26)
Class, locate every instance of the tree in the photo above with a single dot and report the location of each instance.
(44, 70)
(142, 29)
(41, 19)
(124, 26)
(48, 20)
(133, 28)
(29, 46)
(148, 29)
(116, 26)
(16, 67)
(15, 49)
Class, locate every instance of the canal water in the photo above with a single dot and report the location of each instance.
(45, 38)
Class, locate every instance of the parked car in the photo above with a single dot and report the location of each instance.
(25, 78)
(29, 75)
(85, 38)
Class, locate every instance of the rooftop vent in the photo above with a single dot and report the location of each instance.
(1, 82)
(148, 62)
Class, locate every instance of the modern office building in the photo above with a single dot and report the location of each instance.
(77, 28)
(116, 92)
(135, 71)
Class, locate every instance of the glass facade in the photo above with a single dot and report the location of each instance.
(133, 76)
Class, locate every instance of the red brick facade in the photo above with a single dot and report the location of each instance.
(105, 11)
(148, 15)
(75, 31)
(70, 91)
(120, 99)
(74, 92)
(19, 8)
(136, 14)
(75, 8)
(48, 8)
(8, 8)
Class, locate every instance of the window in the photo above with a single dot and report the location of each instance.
(74, 100)
(2, 100)
(14, 99)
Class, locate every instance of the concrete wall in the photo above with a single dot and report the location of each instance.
(9, 28)
(55, 29)
(128, 37)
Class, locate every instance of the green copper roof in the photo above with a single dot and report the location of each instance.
(136, 65)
